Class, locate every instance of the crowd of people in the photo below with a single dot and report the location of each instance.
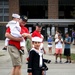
(18, 37)
(59, 41)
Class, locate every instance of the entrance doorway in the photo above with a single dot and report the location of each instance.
(34, 12)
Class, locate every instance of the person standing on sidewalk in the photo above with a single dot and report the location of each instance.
(50, 40)
(73, 35)
(67, 49)
(58, 50)
(56, 35)
(16, 31)
(14, 46)
(37, 33)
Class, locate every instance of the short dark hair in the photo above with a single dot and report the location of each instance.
(66, 33)
(59, 34)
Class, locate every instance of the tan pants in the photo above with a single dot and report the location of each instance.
(16, 57)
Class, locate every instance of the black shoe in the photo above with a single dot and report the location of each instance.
(66, 62)
(49, 61)
(4, 48)
(69, 62)
(22, 52)
(46, 68)
(26, 62)
(61, 62)
(56, 62)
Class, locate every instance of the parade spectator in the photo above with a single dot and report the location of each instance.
(14, 47)
(16, 31)
(58, 48)
(50, 40)
(67, 49)
(37, 33)
(56, 35)
(73, 35)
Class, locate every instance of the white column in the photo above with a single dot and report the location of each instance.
(48, 30)
(53, 30)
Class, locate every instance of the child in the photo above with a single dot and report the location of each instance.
(35, 63)
(50, 44)
(12, 24)
(58, 50)
(15, 30)
(67, 51)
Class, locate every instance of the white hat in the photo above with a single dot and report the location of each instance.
(37, 39)
(15, 15)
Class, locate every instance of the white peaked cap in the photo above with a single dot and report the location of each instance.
(15, 15)
(37, 39)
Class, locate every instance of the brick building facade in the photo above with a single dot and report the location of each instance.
(37, 9)
(13, 7)
(52, 8)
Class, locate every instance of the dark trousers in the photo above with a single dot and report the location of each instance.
(37, 72)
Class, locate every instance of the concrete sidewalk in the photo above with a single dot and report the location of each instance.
(54, 69)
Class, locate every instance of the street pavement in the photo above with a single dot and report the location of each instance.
(54, 69)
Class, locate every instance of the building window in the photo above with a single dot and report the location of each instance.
(6, 18)
(1, 18)
(34, 9)
(0, 10)
(4, 10)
